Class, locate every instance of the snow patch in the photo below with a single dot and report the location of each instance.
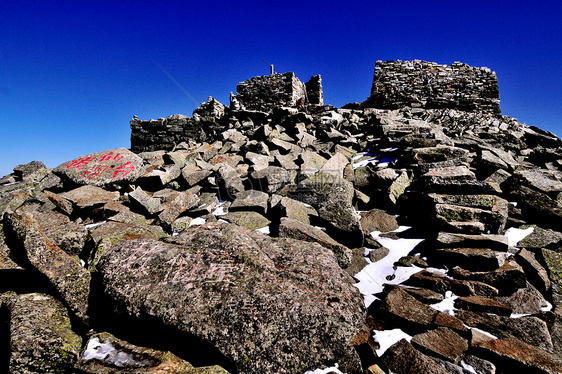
(219, 210)
(333, 369)
(197, 221)
(468, 368)
(386, 338)
(92, 225)
(514, 235)
(447, 305)
(264, 230)
(106, 352)
(376, 274)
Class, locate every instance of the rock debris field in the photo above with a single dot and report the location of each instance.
(298, 239)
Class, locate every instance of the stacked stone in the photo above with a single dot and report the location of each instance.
(162, 133)
(266, 92)
(314, 90)
(429, 85)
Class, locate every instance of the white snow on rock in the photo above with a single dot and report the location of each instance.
(219, 210)
(514, 235)
(106, 352)
(376, 274)
(468, 368)
(264, 230)
(197, 221)
(333, 369)
(447, 305)
(92, 225)
(387, 338)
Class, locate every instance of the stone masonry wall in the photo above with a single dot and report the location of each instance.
(314, 90)
(163, 133)
(265, 92)
(429, 85)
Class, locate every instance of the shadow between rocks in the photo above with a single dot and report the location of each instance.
(148, 331)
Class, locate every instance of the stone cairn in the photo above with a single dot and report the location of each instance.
(416, 232)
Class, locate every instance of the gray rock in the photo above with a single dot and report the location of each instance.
(290, 228)
(89, 196)
(539, 179)
(442, 284)
(294, 309)
(553, 263)
(159, 176)
(506, 279)
(105, 354)
(377, 220)
(482, 304)
(104, 236)
(310, 162)
(534, 271)
(524, 301)
(41, 336)
(230, 181)
(403, 358)
(333, 199)
(517, 355)
(184, 201)
(146, 202)
(193, 174)
(293, 209)
(247, 219)
(102, 168)
(64, 272)
(489, 210)
(251, 200)
(443, 343)
(271, 179)
(529, 329)
(493, 242)
(24, 170)
(540, 238)
(479, 365)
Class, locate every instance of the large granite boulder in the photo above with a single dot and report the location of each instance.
(269, 306)
(102, 168)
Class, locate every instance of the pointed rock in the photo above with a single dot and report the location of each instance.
(148, 203)
(63, 271)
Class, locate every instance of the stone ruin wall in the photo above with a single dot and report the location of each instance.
(396, 84)
(266, 92)
(429, 85)
(256, 94)
(162, 133)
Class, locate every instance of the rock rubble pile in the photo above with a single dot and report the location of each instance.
(291, 240)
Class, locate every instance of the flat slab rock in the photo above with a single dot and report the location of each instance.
(102, 168)
(268, 305)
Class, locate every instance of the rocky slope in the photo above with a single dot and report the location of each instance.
(291, 240)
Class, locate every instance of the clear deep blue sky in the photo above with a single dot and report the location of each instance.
(73, 73)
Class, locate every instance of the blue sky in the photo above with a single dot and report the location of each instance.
(73, 73)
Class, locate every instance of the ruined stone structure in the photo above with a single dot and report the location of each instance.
(162, 133)
(268, 91)
(422, 84)
(254, 99)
